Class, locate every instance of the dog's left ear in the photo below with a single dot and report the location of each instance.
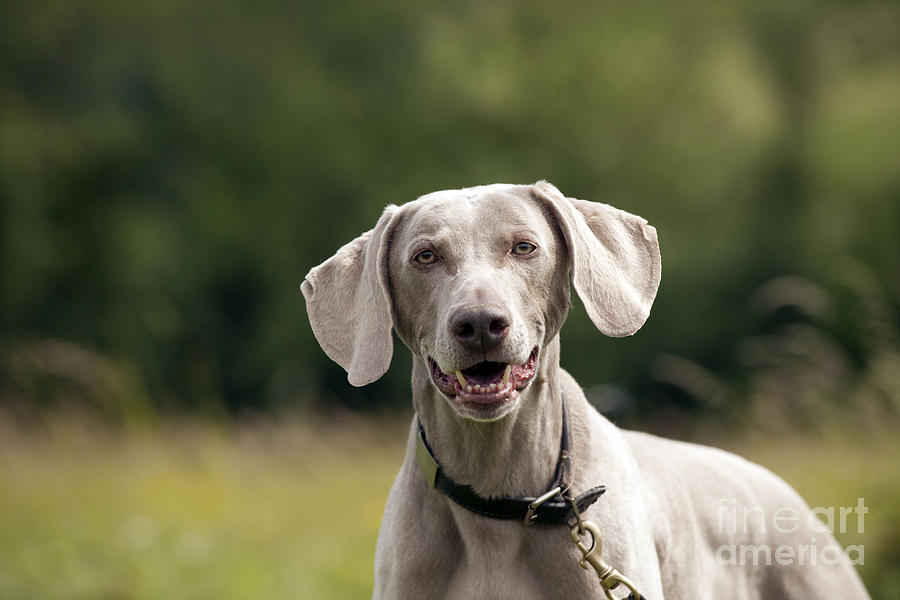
(349, 304)
(614, 258)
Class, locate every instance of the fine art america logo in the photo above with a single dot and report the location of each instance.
(797, 532)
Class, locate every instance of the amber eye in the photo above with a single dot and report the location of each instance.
(523, 248)
(425, 257)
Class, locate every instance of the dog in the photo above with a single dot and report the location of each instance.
(505, 454)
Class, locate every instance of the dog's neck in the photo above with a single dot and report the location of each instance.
(515, 456)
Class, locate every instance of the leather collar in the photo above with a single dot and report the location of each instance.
(552, 508)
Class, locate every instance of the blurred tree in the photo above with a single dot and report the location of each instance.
(169, 172)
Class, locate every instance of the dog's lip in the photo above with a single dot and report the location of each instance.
(487, 397)
(482, 410)
(487, 382)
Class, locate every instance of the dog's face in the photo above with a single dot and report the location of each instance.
(475, 282)
(479, 282)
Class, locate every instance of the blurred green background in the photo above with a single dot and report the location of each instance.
(170, 171)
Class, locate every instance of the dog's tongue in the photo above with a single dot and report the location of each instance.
(485, 373)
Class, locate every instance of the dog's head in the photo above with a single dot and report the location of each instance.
(476, 283)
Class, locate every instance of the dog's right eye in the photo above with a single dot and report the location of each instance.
(425, 257)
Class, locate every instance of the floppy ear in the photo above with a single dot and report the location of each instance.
(349, 304)
(614, 259)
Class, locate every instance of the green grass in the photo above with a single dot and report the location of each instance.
(290, 510)
(192, 511)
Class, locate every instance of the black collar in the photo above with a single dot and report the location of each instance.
(554, 507)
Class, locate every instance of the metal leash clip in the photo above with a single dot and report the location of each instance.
(610, 578)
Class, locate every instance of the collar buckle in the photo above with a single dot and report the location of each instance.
(530, 516)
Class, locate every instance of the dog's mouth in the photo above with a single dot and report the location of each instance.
(486, 383)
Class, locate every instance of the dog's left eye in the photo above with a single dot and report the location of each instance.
(523, 248)
(425, 257)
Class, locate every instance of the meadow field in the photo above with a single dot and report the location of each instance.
(291, 509)
(169, 424)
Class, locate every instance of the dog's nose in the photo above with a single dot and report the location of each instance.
(480, 327)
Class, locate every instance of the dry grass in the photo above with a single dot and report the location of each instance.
(290, 509)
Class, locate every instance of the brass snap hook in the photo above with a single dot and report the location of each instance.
(610, 578)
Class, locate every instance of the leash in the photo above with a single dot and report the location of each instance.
(556, 507)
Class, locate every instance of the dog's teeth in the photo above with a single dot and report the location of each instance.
(506, 374)
(493, 387)
(469, 388)
(462, 379)
(477, 388)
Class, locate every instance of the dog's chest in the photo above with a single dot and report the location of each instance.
(505, 559)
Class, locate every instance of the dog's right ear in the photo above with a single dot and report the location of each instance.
(349, 304)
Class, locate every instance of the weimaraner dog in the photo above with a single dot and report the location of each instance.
(500, 492)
